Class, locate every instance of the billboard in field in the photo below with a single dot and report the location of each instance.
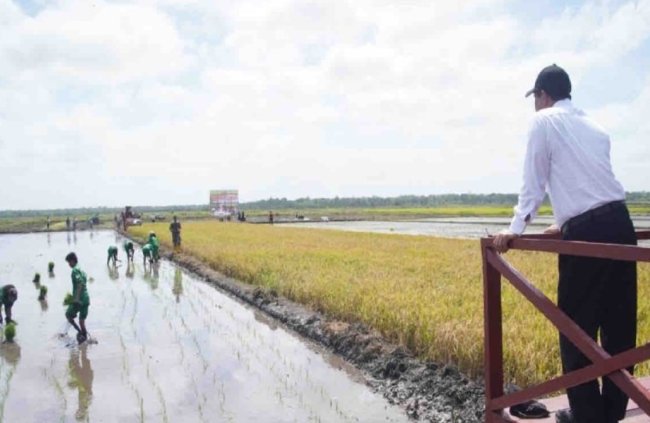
(224, 199)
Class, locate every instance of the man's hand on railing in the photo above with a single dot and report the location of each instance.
(552, 230)
(502, 239)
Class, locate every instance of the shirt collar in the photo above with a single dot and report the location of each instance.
(565, 103)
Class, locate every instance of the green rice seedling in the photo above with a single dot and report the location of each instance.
(68, 299)
(37, 278)
(42, 293)
(50, 267)
(10, 332)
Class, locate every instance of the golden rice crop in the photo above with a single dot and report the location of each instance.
(423, 292)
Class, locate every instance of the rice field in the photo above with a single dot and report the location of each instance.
(423, 292)
(166, 347)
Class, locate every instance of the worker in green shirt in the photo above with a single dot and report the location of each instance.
(128, 248)
(8, 296)
(146, 254)
(112, 255)
(155, 246)
(80, 299)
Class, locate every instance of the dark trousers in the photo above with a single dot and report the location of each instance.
(600, 295)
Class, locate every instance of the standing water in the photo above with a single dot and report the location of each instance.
(170, 348)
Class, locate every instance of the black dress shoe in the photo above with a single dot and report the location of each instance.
(564, 416)
(530, 410)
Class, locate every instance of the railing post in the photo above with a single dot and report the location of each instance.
(493, 348)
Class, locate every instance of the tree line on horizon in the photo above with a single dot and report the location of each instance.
(404, 201)
(434, 200)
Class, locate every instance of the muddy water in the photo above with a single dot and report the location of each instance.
(440, 228)
(448, 227)
(170, 348)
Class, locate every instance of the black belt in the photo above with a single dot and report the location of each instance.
(591, 214)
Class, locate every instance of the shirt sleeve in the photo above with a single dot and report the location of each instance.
(536, 171)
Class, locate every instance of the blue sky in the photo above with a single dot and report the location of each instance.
(157, 102)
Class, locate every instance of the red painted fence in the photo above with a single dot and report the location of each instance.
(494, 266)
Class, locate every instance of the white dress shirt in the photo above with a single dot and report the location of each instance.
(568, 157)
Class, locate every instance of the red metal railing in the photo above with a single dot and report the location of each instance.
(494, 266)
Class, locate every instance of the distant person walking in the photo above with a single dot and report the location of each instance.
(80, 298)
(47, 223)
(67, 223)
(175, 229)
(271, 217)
(568, 155)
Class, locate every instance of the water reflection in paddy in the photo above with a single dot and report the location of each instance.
(170, 348)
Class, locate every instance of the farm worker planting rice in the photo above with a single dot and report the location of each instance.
(80, 298)
(8, 296)
(112, 255)
(155, 246)
(175, 229)
(128, 248)
(146, 254)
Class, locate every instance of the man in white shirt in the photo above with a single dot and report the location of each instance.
(568, 157)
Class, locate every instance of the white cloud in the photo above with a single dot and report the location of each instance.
(162, 100)
(95, 42)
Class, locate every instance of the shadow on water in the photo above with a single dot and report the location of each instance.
(10, 354)
(130, 270)
(152, 275)
(80, 378)
(177, 289)
(113, 273)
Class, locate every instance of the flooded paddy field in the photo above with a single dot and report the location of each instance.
(446, 227)
(170, 348)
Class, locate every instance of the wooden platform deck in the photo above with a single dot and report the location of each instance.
(634, 414)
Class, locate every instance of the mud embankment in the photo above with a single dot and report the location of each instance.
(427, 391)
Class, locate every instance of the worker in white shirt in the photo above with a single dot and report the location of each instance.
(568, 157)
